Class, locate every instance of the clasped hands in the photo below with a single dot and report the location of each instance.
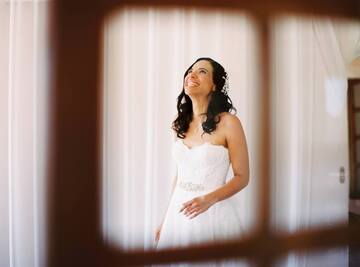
(196, 206)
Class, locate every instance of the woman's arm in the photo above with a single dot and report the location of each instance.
(239, 158)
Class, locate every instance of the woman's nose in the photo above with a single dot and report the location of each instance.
(192, 74)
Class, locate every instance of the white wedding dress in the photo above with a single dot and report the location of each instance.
(201, 169)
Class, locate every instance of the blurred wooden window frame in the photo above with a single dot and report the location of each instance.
(353, 138)
(74, 174)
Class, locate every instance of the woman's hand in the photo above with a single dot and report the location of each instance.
(157, 233)
(196, 206)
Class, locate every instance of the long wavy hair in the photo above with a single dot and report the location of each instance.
(219, 102)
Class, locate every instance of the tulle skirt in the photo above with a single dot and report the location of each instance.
(220, 222)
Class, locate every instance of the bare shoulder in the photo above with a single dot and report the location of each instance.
(232, 129)
(230, 121)
(234, 133)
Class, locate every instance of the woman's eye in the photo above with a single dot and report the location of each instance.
(202, 71)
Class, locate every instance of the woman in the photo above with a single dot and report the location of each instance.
(209, 138)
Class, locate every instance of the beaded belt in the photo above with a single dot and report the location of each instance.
(189, 186)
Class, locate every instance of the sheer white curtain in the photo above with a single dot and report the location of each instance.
(147, 53)
(24, 75)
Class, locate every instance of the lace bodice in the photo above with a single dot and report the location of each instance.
(201, 167)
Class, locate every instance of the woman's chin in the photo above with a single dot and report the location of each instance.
(190, 91)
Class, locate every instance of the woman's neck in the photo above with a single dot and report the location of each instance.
(199, 107)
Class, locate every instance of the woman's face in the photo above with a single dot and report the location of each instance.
(199, 79)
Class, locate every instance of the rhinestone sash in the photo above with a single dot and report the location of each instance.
(191, 187)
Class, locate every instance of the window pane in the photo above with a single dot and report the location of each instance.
(310, 128)
(147, 54)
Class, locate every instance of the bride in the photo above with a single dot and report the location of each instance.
(208, 139)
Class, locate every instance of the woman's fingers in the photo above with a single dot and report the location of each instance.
(187, 205)
(193, 211)
(194, 214)
(193, 207)
(182, 208)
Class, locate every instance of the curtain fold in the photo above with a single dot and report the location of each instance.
(24, 80)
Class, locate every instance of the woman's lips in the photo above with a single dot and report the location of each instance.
(192, 83)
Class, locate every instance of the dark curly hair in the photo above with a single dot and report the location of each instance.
(219, 102)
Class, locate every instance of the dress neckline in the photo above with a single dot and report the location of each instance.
(202, 144)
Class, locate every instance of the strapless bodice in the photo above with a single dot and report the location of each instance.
(201, 170)
(201, 167)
